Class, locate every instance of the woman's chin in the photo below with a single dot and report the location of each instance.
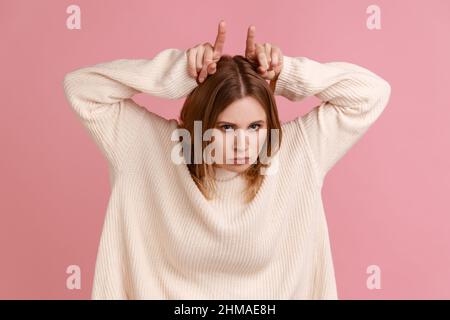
(237, 167)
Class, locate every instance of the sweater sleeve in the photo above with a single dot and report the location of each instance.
(352, 98)
(101, 95)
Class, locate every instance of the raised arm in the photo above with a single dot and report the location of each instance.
(352, 99)
(101, 95)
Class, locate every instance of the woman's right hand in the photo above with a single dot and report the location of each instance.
(203, 58)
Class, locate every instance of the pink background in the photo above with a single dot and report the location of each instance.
(387, 200)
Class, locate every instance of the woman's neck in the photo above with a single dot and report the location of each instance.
(222, 174)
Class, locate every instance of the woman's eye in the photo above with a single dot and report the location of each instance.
(253, 127)
(226, 126)
(257, 126)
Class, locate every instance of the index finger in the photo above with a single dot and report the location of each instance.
(220, 40)
(250, 42)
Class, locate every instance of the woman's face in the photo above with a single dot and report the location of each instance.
(242, 131)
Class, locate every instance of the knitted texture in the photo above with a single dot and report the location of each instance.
(162, 239)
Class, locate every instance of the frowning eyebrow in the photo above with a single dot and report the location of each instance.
(233, 124)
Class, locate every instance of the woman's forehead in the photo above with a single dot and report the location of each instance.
(243, 111)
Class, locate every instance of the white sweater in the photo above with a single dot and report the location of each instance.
(162, 239)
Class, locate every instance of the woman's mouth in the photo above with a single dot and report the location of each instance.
(241, 160)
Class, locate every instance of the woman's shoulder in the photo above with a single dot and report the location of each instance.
(161, 126)
(293, 135)
(158, 132)
(295, 149)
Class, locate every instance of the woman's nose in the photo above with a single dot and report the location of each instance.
(241, 140)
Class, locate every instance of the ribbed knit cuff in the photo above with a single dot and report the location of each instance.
(293, 80)
(285, 76)
(182, 83)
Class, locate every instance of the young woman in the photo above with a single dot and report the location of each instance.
(244, 228)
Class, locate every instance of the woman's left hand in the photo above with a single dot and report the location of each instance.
(268, 57)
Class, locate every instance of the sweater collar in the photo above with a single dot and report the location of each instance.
(224, 174)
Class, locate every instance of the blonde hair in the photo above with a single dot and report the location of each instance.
(234, 79)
